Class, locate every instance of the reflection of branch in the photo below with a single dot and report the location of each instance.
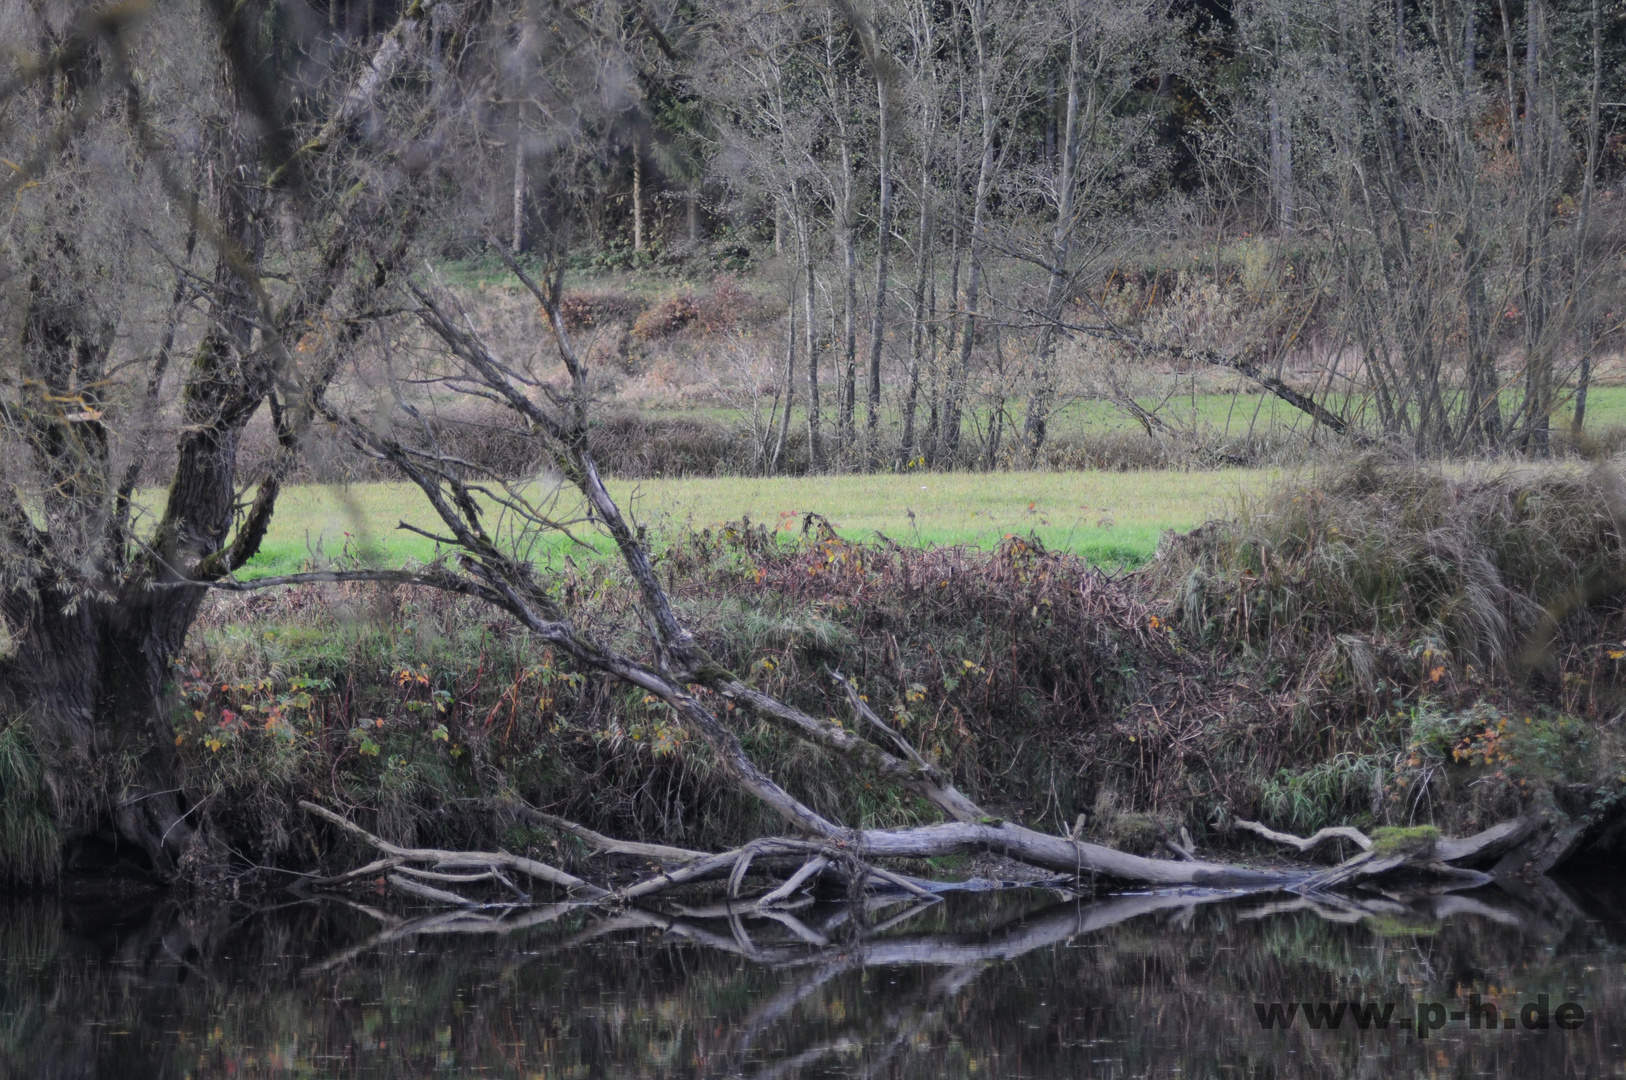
(1023, 935)
(445, 922)
(928, 1004)
(812, 967)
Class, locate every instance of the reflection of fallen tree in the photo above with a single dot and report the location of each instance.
(804, 942)
(794, 938)
(1431, 908)
(793, 941)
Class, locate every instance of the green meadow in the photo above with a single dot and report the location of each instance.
(1112, 518)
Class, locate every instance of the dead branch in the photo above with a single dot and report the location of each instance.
(1310, 843)
(1437, 859)
(457, 859)
(1441, 860)
(375, 867)
(608, 845)
(429, 892)
(1491, 843)
(810, 869)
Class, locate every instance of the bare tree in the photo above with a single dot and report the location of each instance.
(766, 68)
(1105, 154)
(309, 151)
(1436, 197)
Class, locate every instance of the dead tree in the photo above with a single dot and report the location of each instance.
(679, 669)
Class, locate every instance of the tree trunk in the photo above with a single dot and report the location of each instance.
(94, 669)
(519, 239)
(1578, 267)
(1036, 423)
(917, 322)
(883, 246)
(638, 194)
(847, 229)
(960, 375)
(940, 359)
(790, 381)
(804, 243)
(1281, 164)
(1540, 147)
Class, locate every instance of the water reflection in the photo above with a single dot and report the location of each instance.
(991, 985)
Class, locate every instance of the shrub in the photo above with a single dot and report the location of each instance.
(577, 311)
(725, 307)
(1476, 568)
(667, 317)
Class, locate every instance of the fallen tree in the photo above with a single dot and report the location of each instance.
(490, 522)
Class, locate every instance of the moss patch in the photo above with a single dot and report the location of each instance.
(1410, 842)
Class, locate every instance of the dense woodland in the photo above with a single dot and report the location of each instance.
(1400, 219)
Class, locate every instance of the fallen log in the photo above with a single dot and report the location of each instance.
(1405, 852)
(1417, 853)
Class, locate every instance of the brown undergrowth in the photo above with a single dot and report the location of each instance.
(1380, 645)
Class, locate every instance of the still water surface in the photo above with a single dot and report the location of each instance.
(991, 985)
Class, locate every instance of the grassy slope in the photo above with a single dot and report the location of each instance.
(1109, 517)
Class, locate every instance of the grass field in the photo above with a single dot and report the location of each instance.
(1109, 517)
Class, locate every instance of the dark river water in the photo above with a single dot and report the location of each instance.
(1015, 984)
